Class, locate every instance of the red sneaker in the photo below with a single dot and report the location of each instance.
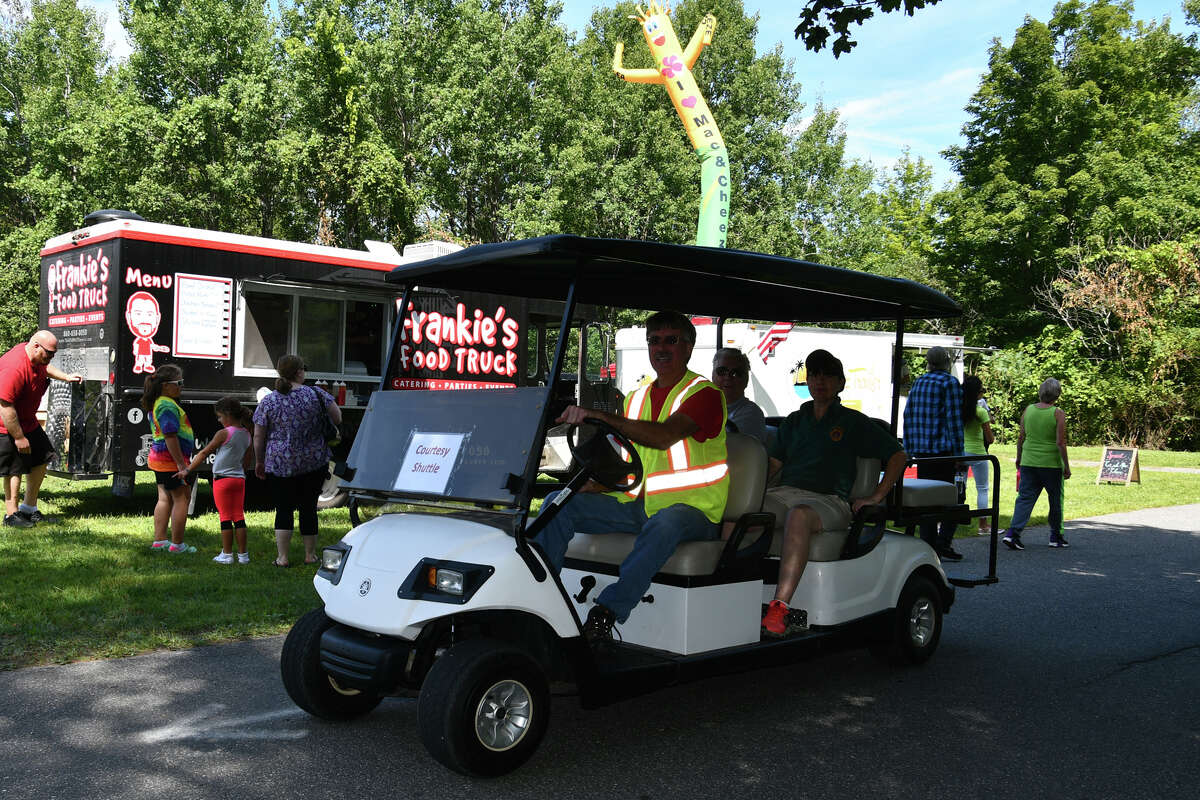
(775, 621)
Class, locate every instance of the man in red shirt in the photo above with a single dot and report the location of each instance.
(677, 424)
(24, 447)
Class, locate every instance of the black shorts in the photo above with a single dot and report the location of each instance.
(14, 462)
(170, 482)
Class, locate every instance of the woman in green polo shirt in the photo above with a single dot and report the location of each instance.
(1041, 464)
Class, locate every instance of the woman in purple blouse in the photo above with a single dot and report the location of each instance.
(291, 453)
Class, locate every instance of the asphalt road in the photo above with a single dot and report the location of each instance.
(1075, 677)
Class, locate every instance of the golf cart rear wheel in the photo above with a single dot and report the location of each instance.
(483, 707)
(913, 632)
(310, 686)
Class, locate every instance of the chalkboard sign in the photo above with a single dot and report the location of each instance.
(1119, 465)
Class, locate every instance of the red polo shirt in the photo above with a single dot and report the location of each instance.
(22, 383)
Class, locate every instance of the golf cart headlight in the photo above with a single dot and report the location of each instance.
(331, 558)
(446, 580)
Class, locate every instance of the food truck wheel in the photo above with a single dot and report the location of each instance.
(483, 707)
(332, 494)
(311, 687)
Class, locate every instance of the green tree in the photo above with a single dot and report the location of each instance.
(1080, 183)
(52, 87)
(343, 174)
(820, 17)
(200, 119)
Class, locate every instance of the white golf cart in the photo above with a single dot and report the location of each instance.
(440, 593)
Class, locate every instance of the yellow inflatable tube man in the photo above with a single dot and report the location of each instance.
(675, 73)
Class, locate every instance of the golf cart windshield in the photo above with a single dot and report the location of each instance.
(454, 444)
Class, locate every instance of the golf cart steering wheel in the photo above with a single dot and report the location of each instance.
(608, 456)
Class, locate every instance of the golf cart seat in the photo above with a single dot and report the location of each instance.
(923, 493)
(747, 460)
(826, 545)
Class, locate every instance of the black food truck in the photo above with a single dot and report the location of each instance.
(124, 295)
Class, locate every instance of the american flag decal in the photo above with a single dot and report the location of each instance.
(774, 335)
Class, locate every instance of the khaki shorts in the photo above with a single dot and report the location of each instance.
(834, 511)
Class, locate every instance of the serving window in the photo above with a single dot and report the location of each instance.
(338, 335)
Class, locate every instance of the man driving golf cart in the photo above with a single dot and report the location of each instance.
(816, 454)
(677, 425)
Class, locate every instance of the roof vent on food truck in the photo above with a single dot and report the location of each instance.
(423, 251)
(110, 215)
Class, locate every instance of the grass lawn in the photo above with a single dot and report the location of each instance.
(90, 587)
(1086, 498)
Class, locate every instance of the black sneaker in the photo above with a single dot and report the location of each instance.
(597, 630)
(17, 521)
(1057, 540)
(949, 554)
(1013, 541)
(37, 516)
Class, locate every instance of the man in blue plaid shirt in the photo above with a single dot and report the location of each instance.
(933, 426)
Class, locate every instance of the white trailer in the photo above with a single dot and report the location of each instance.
(778, 380)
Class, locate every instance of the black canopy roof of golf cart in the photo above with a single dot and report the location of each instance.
(655, 276)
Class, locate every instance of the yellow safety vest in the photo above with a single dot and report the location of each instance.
(690, 472)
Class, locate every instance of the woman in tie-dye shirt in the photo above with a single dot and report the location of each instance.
(170, 452)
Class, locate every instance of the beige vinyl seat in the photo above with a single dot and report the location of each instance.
(747, 459)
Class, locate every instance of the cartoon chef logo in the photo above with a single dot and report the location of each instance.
(142, 315)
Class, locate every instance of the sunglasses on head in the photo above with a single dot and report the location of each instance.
(667, 340)
(177, 383)
(733, 372)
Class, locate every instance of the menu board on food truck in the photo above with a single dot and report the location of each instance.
(203, 316)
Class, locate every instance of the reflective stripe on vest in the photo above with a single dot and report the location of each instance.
(691, 472)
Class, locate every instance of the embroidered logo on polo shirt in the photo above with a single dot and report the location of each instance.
(836, 434)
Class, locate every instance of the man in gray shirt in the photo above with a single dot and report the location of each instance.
(731, 374)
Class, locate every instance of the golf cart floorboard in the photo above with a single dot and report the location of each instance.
(626, 670)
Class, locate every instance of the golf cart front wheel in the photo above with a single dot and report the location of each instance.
(483, 708)
(912, 633)
(310, 686)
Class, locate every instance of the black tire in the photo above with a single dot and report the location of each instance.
(483, 708)
(311, 687)
(912, 632)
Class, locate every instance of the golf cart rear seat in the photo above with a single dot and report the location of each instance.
(918, 496)
(747, 459)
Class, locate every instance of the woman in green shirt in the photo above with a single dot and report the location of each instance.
(977, 436)
(1041, 464)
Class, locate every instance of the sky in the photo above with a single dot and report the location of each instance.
(904, 85)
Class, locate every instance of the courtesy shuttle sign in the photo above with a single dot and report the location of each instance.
(428, 463)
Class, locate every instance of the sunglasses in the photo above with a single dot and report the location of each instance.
(733, 372)
(177, 383)
(657, 340)
(46, 350)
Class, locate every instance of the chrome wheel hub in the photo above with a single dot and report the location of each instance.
(503, 715)
(920, 622)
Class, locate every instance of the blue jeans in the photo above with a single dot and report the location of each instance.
(980, 470)
(657, 537)
(1033, 480)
